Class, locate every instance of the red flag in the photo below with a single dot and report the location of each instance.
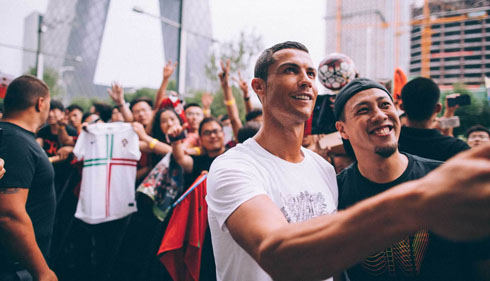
(181, 246)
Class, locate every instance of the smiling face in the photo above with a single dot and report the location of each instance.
(290, 90)
(168, 119)
(370, 123)
(212, 137)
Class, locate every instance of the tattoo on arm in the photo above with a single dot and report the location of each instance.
(9, 190)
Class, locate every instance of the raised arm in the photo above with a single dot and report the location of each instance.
(206, 100)
(17, 233)
(230, 102)
(448, 113)
(455, 207)
(149, 144)
(117, 95)
(168, 70)
(63, 137)
(246, 95)
(178, 149)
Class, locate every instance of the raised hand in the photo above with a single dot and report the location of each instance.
(116, 93)
(139, 129)
(206, 100)
(169, 69)
(224, 74)
(242, 84)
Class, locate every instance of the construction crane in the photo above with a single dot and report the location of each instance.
(425, 42)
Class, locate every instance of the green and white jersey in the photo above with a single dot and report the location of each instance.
(110, 152)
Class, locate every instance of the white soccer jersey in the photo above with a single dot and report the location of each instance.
(110, 152)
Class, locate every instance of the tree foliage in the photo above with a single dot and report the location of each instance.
(478, 112)
(52, 78)
(240, 52)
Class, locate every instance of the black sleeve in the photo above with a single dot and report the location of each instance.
(19, 164)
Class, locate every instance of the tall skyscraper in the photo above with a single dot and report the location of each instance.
(73, 32)
(374, 33)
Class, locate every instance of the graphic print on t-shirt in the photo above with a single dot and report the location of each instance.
(109, 162)
(404, 257)
(303, 206)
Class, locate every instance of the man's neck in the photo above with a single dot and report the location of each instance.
(382, 170)
(424, 124)
(23, 120)
(215, 153)
(282, 141)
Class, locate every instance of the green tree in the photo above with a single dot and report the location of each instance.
(478, 112)
(240, 53)
(52, 79)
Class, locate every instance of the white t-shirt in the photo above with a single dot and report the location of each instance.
(300, 190)
(110, 152)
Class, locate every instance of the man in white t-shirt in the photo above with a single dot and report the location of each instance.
(270, 202)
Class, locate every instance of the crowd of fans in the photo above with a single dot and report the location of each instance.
(194, 138)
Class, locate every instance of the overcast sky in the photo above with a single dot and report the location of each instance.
(138, 63)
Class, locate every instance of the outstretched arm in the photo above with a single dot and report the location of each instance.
(178, 150)
(168, 70)
(455, 206)
(230, 102)
(117, 95)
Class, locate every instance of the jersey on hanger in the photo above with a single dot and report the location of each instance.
(110, 152)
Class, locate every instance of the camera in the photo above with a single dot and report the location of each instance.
(181, 136)
(459, 100)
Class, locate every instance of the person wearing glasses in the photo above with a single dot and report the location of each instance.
(212, 141)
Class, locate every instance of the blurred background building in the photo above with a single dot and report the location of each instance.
(374, 33)
(458, 42)
(72, 32)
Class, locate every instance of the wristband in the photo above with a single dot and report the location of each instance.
(197, 149)
(246, 98)
(230, 102)
(153, 143)
(122, 105)
(206, 111)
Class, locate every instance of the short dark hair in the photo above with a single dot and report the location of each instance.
(104, 111)
(192, 104)
(265, 59)
(476, 128)
(249, 130)
(73, 106)
(138, 100)
(23, 93)
(208, 120)
(56, 104)
(254, 113)
(419, 98)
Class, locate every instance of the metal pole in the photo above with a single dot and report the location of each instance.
(182, 53)
(39, 55)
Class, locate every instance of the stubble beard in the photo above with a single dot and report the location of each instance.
(386, 151)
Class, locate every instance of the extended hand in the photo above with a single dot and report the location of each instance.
(116, 93)
(169, 69)
(224, 74)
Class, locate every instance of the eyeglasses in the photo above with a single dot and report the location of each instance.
(209, 133)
